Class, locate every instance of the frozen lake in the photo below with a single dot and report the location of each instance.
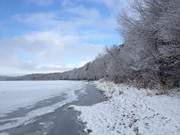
(40, 107)
(18, 94)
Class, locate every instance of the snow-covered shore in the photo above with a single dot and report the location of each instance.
(130, 111)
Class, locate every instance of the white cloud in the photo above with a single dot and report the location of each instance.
(44, 52)
(116, 4)
(38, 19)
(59, 43)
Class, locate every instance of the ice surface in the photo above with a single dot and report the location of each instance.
(22, 94)
(4, 133)
(130, 111)
(16, 94)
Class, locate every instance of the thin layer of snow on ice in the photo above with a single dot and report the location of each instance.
(130, 111)
(24, 94)
(17, 94)
(29, 117)
(4, 133)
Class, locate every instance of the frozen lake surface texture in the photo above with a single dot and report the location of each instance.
(26, 105)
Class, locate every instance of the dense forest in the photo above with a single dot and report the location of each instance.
(149, 56)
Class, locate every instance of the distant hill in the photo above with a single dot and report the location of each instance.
(83, 73)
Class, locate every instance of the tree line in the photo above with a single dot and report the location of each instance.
(149, 56)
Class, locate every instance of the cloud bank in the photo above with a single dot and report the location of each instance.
(59, 39)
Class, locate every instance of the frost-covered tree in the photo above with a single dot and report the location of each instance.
(153, 39)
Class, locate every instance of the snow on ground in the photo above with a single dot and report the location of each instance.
(130, 111)
(14, 95)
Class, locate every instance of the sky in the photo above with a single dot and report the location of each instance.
(55, 35)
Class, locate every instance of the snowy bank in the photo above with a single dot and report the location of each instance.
(131, 111)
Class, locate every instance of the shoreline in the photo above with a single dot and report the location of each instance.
(63, 120)
(132, 111)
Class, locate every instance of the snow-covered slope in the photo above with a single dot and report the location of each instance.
(130, 111)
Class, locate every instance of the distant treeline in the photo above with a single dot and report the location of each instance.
(149, 57)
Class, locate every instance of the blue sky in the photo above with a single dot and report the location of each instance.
(55, 35)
